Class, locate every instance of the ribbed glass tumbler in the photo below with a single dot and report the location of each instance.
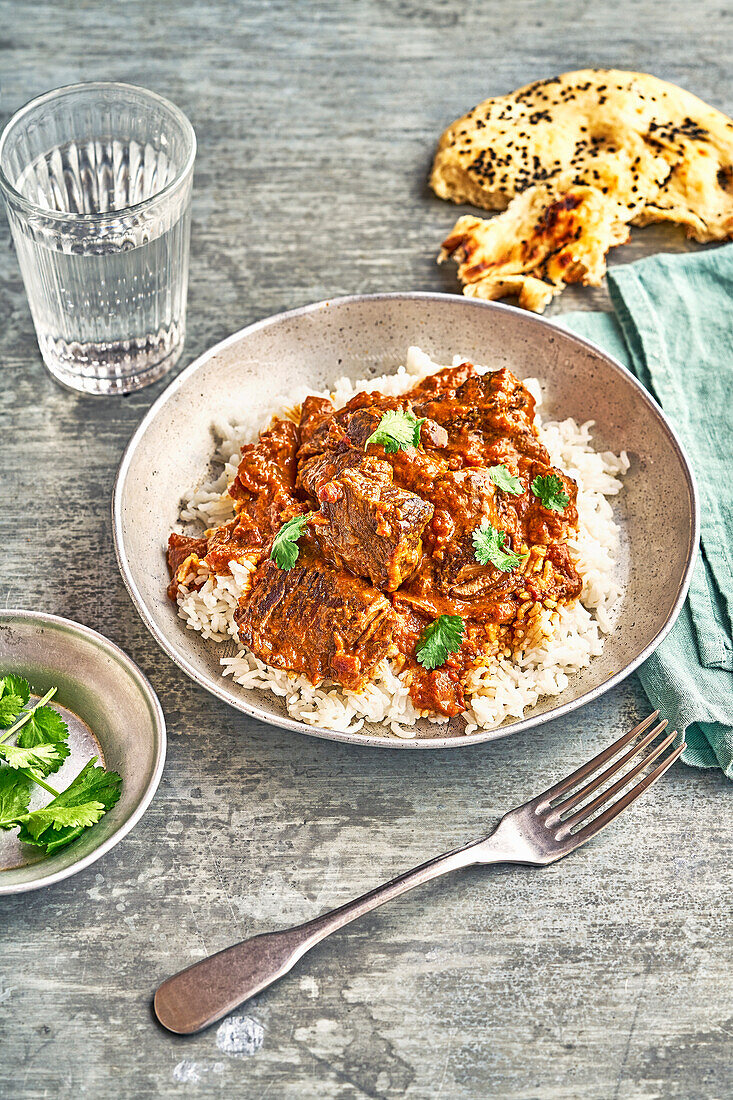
(97, 184)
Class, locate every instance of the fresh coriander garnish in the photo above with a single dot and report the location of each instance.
(40, 748)
(85, 800)
(44, 758)
(285, 547)
(550, 492)
(397, 430)
(505, 480)
(14, 694)
(45, 726)
(488, 548)
(443, 636)
(15, 794)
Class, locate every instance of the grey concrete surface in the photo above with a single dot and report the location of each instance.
(606, 977)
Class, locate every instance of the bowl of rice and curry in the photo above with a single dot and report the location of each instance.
(410, 544)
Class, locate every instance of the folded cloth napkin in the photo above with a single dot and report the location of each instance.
(673, 327)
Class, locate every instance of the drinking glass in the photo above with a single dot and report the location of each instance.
(97, 185)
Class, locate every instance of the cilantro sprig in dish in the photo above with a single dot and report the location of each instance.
(505, 480)
(397, 430)
(38, 748)
(438, 640)
(285, 549)
(489, 548)
(550, 492)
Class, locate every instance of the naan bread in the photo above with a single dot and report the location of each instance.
(647, 150)
(537, 246)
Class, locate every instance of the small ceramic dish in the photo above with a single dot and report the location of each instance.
(171, 450)
(113, 714)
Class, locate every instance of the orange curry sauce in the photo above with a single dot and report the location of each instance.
(388, 544)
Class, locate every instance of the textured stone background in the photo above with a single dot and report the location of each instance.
(606, 976)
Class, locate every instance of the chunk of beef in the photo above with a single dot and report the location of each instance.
(316, 415)
(371, 526)
(463, 499)
(269, 463)
(565, 583)
(323, 429)
(180, 549)
(436, 690)
(544, 525)
(317, 620)
(359, 424)
(489, 419)
(265, 483)
(504, 410)
(444, 382)
(361, 415)
(432, 435)
(234, 540)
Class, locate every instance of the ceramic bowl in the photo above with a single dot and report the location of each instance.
(112, 712)
(358, 336)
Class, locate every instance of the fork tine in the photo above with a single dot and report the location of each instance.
(597, 781)
(619, 785)
(593, 765)
(636, 791)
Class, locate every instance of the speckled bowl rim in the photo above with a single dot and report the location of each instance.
(368, 741)
(161, 741)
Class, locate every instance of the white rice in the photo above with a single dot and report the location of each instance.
(563, 640)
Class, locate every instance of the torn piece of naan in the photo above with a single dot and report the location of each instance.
(640, 149)
(537, 246)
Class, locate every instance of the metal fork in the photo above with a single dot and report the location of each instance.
(541, 831)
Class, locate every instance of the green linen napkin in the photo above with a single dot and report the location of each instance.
(673, 327)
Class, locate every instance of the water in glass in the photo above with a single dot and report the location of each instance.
(97, 185)
(113, 302)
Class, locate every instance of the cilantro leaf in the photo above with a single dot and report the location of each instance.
(285, 548)
(15, 794)
(15, 685)
(488, 544)
(91, 785)
(38, 757)
(443, 636)
(46, 725)
(41, 747)
(397, 430)
(59, 817)
(550, 492)
(505, 480)
(10, 707)
(14, 694)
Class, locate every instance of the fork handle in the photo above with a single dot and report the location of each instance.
(197, 997)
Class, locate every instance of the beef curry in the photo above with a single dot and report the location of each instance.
(464, 524)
